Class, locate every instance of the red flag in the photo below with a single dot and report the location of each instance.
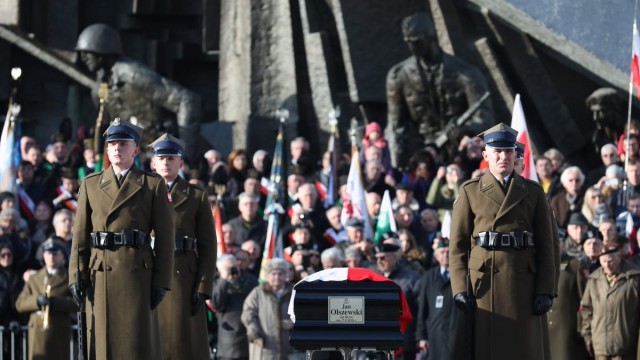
(217, 221)
(519, 123)
(635, 60)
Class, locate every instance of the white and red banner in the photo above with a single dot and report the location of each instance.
(354, 203)
(217, 221)
(635, 60)
(519, 123)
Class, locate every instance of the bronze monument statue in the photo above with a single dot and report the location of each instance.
(608, 115)
(429, 91)
(137, 93)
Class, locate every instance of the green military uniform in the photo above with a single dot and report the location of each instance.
(182, 334)
(52, 343)
(121, 323)
(564, 328)
(506, 279)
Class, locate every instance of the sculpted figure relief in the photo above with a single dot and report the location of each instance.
(427, 90)
(136, 92)
(608, 116)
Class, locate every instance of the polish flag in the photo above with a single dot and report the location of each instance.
(354, 205)
(519, 123)
(635, 60)
(357, 275)
(217, 221)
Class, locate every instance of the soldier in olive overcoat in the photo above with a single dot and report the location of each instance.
(501, 234)
(124, 276)
(55, 305)
(564, 325)
(182, 317)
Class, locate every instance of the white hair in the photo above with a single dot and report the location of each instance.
(608, 146)
(223, 259)
(568, 171)
(333, 253)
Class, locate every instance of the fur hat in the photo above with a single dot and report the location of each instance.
(276, 264)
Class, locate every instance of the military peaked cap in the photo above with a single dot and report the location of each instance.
(500, 136)
(519, 150)
(167, 145)
(124, 131)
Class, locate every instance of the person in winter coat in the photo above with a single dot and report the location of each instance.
(611, 308)
(265, 314)
(47, 297)
(439, 322)
(229, 294)
(181, 315)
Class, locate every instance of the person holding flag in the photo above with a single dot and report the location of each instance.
(182, 318)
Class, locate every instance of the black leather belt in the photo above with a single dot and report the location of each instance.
(111, 241)
(185, 244)
(492, 240)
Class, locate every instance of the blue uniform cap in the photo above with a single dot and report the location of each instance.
(123, 131)
(167, 145)
(519, 150)
(500, 136)
(52, 247)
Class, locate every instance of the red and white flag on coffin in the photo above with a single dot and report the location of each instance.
(355, 274)
(635, 59)
(519, 123)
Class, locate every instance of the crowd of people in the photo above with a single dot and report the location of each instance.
(597, 213)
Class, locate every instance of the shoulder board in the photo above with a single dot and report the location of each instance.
(197, 187)
(533, 182)
(93, 174)
(149, 173)
(470, 181)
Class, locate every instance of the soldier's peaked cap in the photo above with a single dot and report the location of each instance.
(519, 150)
(123, 130)
(500, 136)
(167, 145)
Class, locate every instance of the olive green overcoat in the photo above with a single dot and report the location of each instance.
(564, 326)
(504, 281)
(121, 323)
(182, 335)
(52, 343)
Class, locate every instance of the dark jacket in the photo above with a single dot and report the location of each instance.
(438, 320)
(409, 282)
(227, 300)
(246, 231)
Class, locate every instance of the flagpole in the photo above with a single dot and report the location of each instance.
(626, 150)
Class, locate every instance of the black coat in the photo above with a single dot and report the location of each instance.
(228, 300)
(409, 282)
(438, 319)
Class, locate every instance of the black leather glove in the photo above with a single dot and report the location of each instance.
(463, 302)
(541, 304)
(42, 301)
(75, 292)
(157, 294)
(197, 301)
